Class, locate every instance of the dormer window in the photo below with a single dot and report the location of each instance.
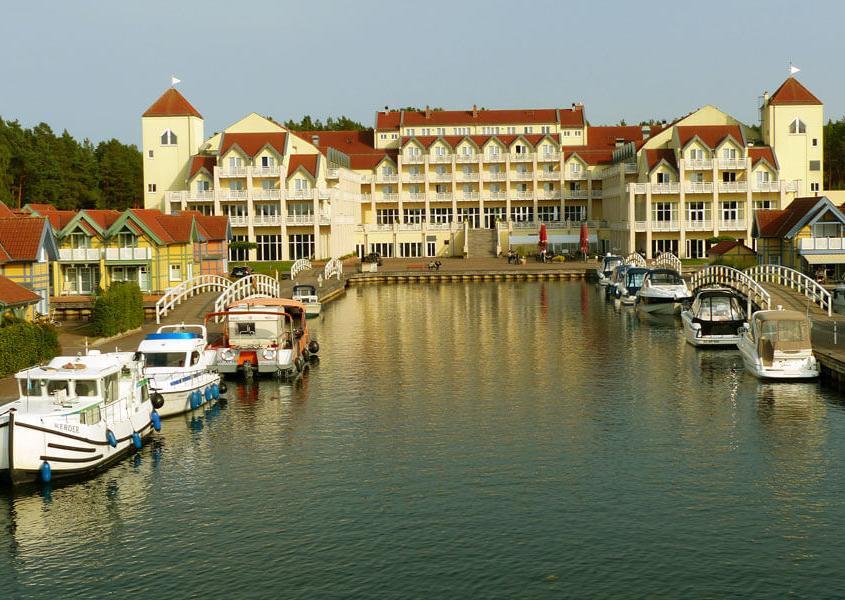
(663, 177)
(696, 154)
(797, 126)
(729, 153)
(268, 161)
(168, 138)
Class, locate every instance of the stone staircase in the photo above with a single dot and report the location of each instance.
(481, 243)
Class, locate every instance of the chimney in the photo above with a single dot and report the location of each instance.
(474, 110)
(646, 131)
(385, 110)
(765, 98)
(315, 139)
(427, 111)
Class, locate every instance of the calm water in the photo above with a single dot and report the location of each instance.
(457, 441)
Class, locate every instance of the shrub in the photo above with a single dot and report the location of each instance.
(25, 344)
(118, 309)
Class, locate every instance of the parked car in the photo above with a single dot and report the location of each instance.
(372, 257)
(238, 272)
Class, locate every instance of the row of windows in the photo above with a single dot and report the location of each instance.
(269, 247)
(488, 130)
(698, 177)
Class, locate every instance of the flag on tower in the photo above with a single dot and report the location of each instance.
(793, 69)
(174, 80)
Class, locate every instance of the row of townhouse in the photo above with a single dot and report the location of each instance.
(422, 181)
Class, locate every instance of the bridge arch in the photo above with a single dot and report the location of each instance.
(734, 279)
(795, 281)
(190, 287)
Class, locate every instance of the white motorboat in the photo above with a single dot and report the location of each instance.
(664, 292)
(180, 368)
(608, 264)
(617, 276)
(714, 319)
(75, 415)
(776, 345)
(307, 295)
(626, 290)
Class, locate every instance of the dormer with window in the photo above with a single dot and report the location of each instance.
(168, 138)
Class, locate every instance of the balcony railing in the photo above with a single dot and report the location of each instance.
(597, 193)
(522, 195)
(413, 177)
(812, 244)
(576, 194)
(630, 168)
(699, 187)
(267, 194)
(765, 186)
(549, 194)
(306, 220)
(548, 175)
(699, 224)
(496, 195)
(331, 173)
(443, 196)
(268, 220)
(387, 178)
(418, 196)
(494, 158)
(698, 164)
(522, 157)
(499, 176)
(469, 195)
(128, 254)
(413, 159)
(273, 171)
(731, 164)
(669, 187)
(732, 224)
(470, 176)
(301, 194)
(548, 156)
(440, 158)
(465, 158)
(233, 195)
(80, 254)
(238, 220)
(733, 186)
(671, 224)
(442, 177)
(232, 172)
(389, 197)
(522, 176)
(576, 175)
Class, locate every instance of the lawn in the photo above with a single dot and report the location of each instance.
(266, 267)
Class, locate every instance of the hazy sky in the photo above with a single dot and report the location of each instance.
(94, 67)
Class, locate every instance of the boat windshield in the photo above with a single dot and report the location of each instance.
(665, 278)
(635, 278)
(611, 263)
(719, 308)
(164, 359)
(782, 330)
(34, 388)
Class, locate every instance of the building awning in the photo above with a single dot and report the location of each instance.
(520, 240)
(824, 259)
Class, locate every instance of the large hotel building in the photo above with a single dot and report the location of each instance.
(477, 181)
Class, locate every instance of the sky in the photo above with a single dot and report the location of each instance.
(93, 67)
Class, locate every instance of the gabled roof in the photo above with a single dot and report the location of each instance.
(606, 136)
(657, 155)
(566, 117)
(58, 218)
(758, 153)
(710, 135)
(21, 239)
(369, 161)
(13, 294)
(37, 208)
(171, 104)
(5, 211)
(253, 143)
(726, 246)
(591, 156)
(211, 228)
(792, 91)
(349, 142)
(306, 161)
(786, 222)
(170, 229)
(202, 162)
(92, 221)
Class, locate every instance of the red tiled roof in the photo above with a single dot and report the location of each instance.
(792, 92)
(369, 161)
(388, 120)
(348, 142)
(654, 156)
(307, 161)
(5, 211)
(252, 143)
(202, 162)
(726, 246)
(40, 207)
(710, 135)
(170, 229)
(213, 228)
(171, 104)
(14, 294)
(104, 218)
(567, 117)
(758, 153)
(773, 223)
(58, 218)
(592, 156)
(605, 136)
(21, 238)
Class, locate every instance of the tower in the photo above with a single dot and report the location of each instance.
(171, 132)
(792, 121)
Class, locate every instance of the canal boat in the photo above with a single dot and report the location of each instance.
(714, 319)
(75, 415)
(264, 336)
(776, 345)
(663, 292)
(626, 290)
(608, 264)
(179, 366)
(307, 295)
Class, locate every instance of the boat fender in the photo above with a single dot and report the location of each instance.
(110, 438)
(305, 354)
(136, 440)
(313, 347)
(215, 391)
(157, 400)
(155, 419)
(298, 363)
(45, 472)
(193, 400)
(208, 394)
(223, 387)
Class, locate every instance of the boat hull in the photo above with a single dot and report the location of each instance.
(660, 306)
(696, 337)
(789, 369)
(178, 401)
(313, 309)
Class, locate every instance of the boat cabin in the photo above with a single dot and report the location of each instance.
(660, 277)
(780, 334)
(609, 263)
(718, 311)
(173, 346)
(302, 290)
(634, 278)
(266, 323)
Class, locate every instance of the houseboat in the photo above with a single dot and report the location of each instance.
(75, 415)
(264, 335)
(307, 295)
(776, 345)
(179, 366)
(714, 319)
(663, 292)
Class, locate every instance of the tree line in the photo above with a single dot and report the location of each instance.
(834, 155)
(342, 123)
(38, 166)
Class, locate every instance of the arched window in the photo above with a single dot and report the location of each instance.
(797, 126)
(168, 138)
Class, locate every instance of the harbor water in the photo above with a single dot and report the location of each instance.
(487, 440)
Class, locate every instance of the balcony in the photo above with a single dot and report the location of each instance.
(698, 164)
(821, 245)
(523, 195)
(443, 196)
(80, 254)
(522, 157)
(765, 186)
(496, 195)
(366, 197)
(301, 194)
(129, 254)
(306, 220)
(494, 158)
(699, 224)
(466, 158)
(388, 197)
(670, 187)
(732, 164)
(522, 176)
(630, 168)
(413, 159)
(670, 224)
(576, 194)
(728, 187)
(442, 177)
(548, 175)
(440, 158)
(597, 193)
(498, 176)
(268, 220)
(469, 196)
(238, 220)
(366, 178)
(469, 176)
(274, 171)
(548, 157)
(387, 178)
(732, 224)
(637, 188)
(413, 177)
(579, 175)
(232, 172)
(331, 173)
(699, 187)
(416, 196)
(549, 195)
(267, 194)
(233, 195)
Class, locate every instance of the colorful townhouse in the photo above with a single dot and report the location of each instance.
(428, 182)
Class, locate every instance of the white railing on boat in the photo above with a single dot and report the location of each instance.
(251, 286)
(668, 260)
(196, 285)
(794, 280)
(303, 264)
(333, 268)
(636, 259)
(734, 279)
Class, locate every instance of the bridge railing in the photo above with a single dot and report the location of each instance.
(303, 264)
(250, 286)
(668, 261)
(636, 259)
(734, 279)
(196, 285)
(794, 280)
(333, 268)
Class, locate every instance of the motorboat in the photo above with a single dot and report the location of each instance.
(663, 292)
(776, 345)
(715, 318)
(616, 277)
(264, 336)
(179, 366)
(608, 264)
(307, 295)
(75, 415)
(626, 290)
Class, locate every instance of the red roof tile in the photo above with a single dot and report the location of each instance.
(307, 161)
(104, 218)
(58, 218)
(369, 161)
(792, 92)
(170, 229)
(710, 135)
(252, 143)
(388, 119)
(348, 142)
(171, 104)
(592, 156)
(726, 246)
(202, 162)
(5, 211)
(14, 294)
(758, 153)
(39, 207)
(606, 136)
(654, 156)
(214, 228)
(21, 238)
(567, 117)
(773, 223)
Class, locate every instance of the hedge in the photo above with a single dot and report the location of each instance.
(118, 309)
(24, 344)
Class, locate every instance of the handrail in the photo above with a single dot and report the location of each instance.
(250, 286)
(635, 259)
(669, 260)
(333, 268)
(185, 289)
(794, 280)
(734, 279)
(303, 264)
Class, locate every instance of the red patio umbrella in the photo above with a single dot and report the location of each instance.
(585, 239)
(544, 237)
